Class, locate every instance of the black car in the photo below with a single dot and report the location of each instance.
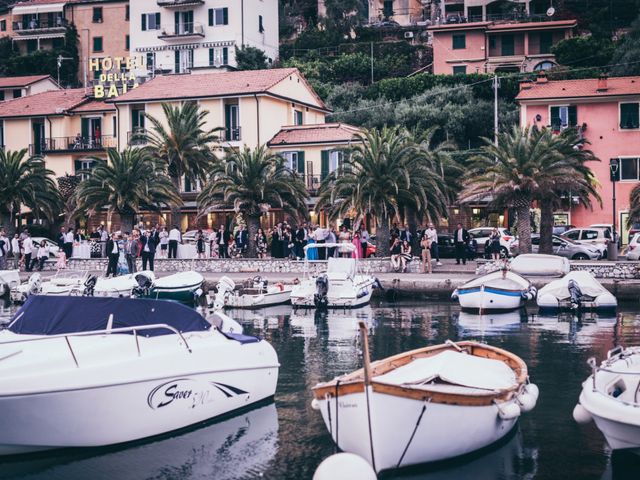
(446, 248)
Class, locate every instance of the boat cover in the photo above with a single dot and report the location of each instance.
(341, 268)
(588, 285)
(178, 280)
(540, 264)
(47, 315)
(456, 368)
(506, 281)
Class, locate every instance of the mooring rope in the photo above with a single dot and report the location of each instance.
(415, 429)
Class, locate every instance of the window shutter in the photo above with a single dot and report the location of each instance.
(144, 22)
(301, 162)
(85, 128)
(176, 21)
(227, 121)
(176, 58)
(573, 115)
(158, 21)
(77, 166)
(555, 118)
(324, 164)
(225, 16)
(211, 56)
(211, 17)
(225, 56)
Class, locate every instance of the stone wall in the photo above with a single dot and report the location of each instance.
(602, 269)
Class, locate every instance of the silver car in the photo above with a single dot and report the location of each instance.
(563, 247)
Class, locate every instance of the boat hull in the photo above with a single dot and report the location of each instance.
(487, 299)
(445, 431)
(120, 413)
(358, 294)
(186, 294)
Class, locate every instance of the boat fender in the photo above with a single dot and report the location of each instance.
(532, 389)
(508, 411)
(581, 415)
(454, 295)
(528, 398)
(280, 286)
(315, 405)
(344, 465)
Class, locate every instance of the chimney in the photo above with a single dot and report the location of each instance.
(525, 85)
(542, 77)
(602, 83)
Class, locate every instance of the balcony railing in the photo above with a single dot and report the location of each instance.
(312, 182)
(138, 136)
(233, 134)
(182, 30)
(36, 27)
(501, 17)
(79, 144)
(179, 3)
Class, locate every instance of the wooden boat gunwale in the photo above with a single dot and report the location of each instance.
(354, 382)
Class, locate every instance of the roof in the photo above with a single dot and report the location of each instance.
(53, 102)
(580, 88)
(93, 105)
(504, 26)
(314, 134)
(16, 82)
(207, 85)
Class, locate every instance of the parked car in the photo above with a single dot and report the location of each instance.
(482, 235)
(560, 229)
(635, 228)
(633, 250)
(599, 237)
(563, 247)
(612, 231)
(53, 246)
(446, 247)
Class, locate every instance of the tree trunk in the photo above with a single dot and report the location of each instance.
(176, 215)
(546, 226)
(523, 211)
(126, 222)
(382, 237)
(253, 224)
(411, 219)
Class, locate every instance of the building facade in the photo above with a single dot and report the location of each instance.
(481, 47)
(16, 87)
(607, 112)
(176, 36)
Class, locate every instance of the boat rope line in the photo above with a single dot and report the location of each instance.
(373, 458)
(415, 429)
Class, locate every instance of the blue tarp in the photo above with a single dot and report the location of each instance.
(53, 315)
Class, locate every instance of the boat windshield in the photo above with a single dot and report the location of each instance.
(54, 315)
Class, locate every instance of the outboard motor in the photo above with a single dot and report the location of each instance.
(144, 285)
(575, 294)
(35, 284)
(259, 282)
(224, 287)
(320, 299)
(90, 286)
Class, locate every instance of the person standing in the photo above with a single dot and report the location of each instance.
(223, 242)
(164, 242)
(200, 249)
(261, 243)
(4, 250)
(300, 240)
(344, 237)
(364, 240)
(104, 237)
(27, 247)
(113, 252)
(461, 240)
(276, 236)
(149, 244)
(321, 235)
(62, 237)
(68, 243)
(174, 238)
(494, 244)
(15, 249)
(42, 255)
(242, 240)
(426, 243)
(331, 238)
(131, 251)
(432, 234)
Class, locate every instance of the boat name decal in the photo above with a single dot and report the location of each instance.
(189, 393)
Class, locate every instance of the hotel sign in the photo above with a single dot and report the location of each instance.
(117, 75)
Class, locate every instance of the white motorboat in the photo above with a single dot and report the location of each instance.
(496, 291)
(121, 286)
(532, 264)
(576, 291)
(611, 398)
(91, 371)
(426, 405)
(8, 279)
(341, 286)
(183, 287)
(257, 293)
(63, 283)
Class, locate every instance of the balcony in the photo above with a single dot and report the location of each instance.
(514, 17)
(34, 28)
(137, 137)
(182, 31)
(78, 144)
(312, 182)
(179, 3)
(233, 134)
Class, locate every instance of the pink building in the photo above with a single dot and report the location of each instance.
(480, 47)
(607, 111)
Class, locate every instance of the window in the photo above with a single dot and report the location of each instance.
(460, 70)
(459, 41)
(218, 16)
(546, 65)
(260, 24)
(508, 45)
(17, 93)
(84, 166)
(232, 122)
(151, 21)
(218, 56)
(3, 25)
(294, 161)
(189, 185)
(97, 44)
(589, 235)
(629, 116)
(127, 13)
(336, 158)
(563, 117)
(97, 15)
(127, 42)
(151, 61)
(32, 45)
(1, 95)
(629, 169)
(297, 117)
(546, 41)
(387, 8)
(572, 234)
(57, 43)
(183, 61)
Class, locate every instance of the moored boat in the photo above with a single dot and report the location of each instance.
(576, 291)
(255, 294)
(63, 283)
(112, 370)
(183, 287)
(496, 291)
(611, 398)
(426, 405)
(532, 264)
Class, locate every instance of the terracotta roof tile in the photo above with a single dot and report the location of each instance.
(94, 105)
(580, 88)
(53, 102)
(314, 134)
(15, 82)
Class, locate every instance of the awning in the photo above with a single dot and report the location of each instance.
(40, 8)
(40, 36)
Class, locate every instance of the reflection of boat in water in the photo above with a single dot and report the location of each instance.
(491, 323)
(262, 318)
(219, 450)
(340, 324)
(578, 329)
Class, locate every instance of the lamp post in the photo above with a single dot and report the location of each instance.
(612, 247)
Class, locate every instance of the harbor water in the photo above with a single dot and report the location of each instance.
(287, 439)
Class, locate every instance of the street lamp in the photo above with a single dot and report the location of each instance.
(612, 247)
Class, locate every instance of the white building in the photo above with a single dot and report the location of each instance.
(179, 35)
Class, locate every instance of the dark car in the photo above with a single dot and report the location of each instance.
(446, 248)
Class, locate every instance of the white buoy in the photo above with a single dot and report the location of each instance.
(315, 404)
(532, 389)
(344, 466)
(509, 411)
(581, 415)
(528, 398)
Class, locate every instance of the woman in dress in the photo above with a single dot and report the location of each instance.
(261, 243)
(494, 244)
(275, 242)
(425, 244)
(287, 244)
(233, 249)
(405, 255)
(357, 242)
(344, 237)
(312, 253)
(213, 243)
(200, 244)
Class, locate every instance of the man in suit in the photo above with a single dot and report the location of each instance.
(149, 244)
(223, 242)
(242, 239)
(113, 253)
(461, 239)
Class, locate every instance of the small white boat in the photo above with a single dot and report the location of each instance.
(611, 398)
(532, 264)
(183, 287)
(111, 370)
(496, 291)
(63, 283)
(121, 286)
(426, 405)
(8, 279)
(342, 286)
(576, 291)
(252, 295)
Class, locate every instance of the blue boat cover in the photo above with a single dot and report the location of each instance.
(54, 315)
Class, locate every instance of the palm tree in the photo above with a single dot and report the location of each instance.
(125, 184)
(253, 182)
(183, 143)
(383, 173)
(25, 181)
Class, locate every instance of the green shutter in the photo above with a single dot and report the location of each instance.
(555, 118)
(225, 16)
(227, 121)
(211, 56)
(301, 162)
(211, 17)
(158, 21)
(176, 21)
(324, 164)
(77, 166)
(225, 56)
(176, 61)
(85, 128)
(573, 115)
(144, 21)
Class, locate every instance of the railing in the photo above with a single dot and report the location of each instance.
(233, 134)
(312, 182)
(137, 136)
(182, 30)
(498, 17)
(106, 331)
(39, 26)
(178, 3)
(79, 143)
